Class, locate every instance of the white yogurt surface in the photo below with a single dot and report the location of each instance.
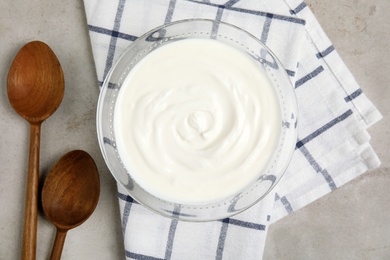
(196, 121)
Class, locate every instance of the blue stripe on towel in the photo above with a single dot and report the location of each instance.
(325, 52)
(309, 76)
(324, 128)
(299, 8)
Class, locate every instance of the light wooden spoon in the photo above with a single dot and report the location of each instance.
(35, 89)
(70, 194)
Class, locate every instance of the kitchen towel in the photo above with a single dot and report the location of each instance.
(332, 147)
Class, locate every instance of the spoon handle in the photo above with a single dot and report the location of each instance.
(31, 206)
(58, 244)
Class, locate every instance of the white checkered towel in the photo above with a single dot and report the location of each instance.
(332, 147)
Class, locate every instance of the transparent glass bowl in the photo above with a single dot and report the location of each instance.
(228, 34)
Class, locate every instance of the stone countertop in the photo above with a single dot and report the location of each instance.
(350, 223)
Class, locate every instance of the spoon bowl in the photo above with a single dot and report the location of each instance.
(70, 194)
(35, 88)
(35, 83)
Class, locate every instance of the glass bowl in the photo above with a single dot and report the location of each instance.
(237, 38)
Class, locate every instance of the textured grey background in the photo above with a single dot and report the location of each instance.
(350, 223)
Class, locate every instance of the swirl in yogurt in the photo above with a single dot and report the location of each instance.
(196, 121)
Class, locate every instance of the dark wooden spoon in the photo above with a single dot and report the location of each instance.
(35, 90)
(70, 194)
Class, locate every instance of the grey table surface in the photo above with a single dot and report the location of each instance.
(353, 222)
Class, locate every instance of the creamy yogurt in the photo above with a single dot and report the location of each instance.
(196, 121)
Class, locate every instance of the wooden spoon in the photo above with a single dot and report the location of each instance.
(35, 89)
(70, 194)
